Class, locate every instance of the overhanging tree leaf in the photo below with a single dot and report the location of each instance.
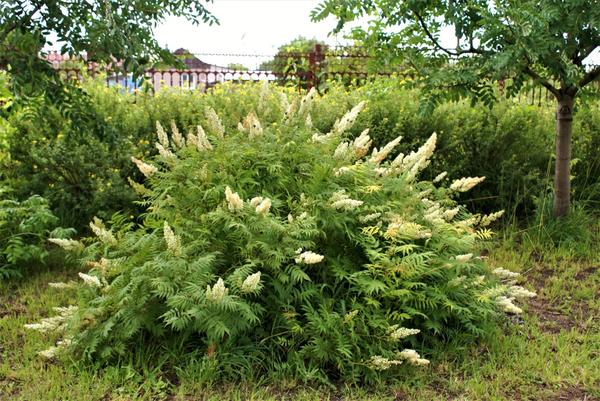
(546, 41)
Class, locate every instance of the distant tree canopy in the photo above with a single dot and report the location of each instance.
(288, 59)
(237, 67)
(105, 30)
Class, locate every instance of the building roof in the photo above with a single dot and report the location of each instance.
(192, 62)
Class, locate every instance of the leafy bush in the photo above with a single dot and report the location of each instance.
(24, 229)
(273, 248)
(79, 164)
(79, 160)
(511, 144)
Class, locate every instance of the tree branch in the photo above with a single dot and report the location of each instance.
(23, 20)
(589, 77)
(542, 81)
(471, 50)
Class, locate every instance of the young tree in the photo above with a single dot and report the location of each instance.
(292, 56)
(546, 41)
(106, 30)
(237, 67)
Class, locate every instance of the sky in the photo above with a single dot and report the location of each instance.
(246, 27)
(256, 27)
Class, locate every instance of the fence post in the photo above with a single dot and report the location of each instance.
(314, 59)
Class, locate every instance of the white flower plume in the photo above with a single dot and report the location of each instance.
(233, 199)
(465, 184)
(217, 292)
(309, 258)
(263, 207)
(67, 244)
(147, 169)
(251, 283)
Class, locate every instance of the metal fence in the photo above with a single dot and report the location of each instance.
(299, 69)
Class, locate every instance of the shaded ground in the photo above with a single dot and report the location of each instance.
(551, 353)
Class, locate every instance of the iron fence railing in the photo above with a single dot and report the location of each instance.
(300, 69)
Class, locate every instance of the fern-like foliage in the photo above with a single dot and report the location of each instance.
(24, 229)
(275, 248)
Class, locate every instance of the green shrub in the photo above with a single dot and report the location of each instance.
(24, 229)
(80, 161)
(275, 249)
(511, 144)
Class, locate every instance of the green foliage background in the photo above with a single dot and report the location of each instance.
(397, 256)
(81, 162)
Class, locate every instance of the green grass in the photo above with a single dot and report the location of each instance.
(553, 353)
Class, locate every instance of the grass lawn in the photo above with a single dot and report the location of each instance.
(551, 353)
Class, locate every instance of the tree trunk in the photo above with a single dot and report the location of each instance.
(562, 174)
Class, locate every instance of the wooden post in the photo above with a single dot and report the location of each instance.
(314, 59)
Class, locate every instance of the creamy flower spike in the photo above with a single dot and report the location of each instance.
(306, 102)
(450, 214)
(101, 232)
(217, 292)
(341, 201)
(398, 333)
(519, 292)
(49, 353)
(67, 244)
(403, 229)
(191, 139)
(464, 258)
(369, 217)
(256, 201)
(251, 283)
(378, 362)
(202, 142)
(178, 139)
(504, 273)
(173, 241)
(54, 351)
(347, 121)
(283, 102)
(309, 258)
(507, 305)
(89, 280)
(490, 218)
(341, 171)
(163, 139)
(341, 125)
(308, 122)
(413, 357)
(165, 153)
(147, 169)
(466, 183)
(362, 144)
(342, 150)
(251, 126)
(263, 208)
(379, 156)
(61, 285)
(55, 323)
(348, 317)
(233, 199)
(440, 176)
(416, 161)
(214, 124)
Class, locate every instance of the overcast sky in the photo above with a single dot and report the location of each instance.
(254, 27)
(246, 26)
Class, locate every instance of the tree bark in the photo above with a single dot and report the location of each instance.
(562, 173)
